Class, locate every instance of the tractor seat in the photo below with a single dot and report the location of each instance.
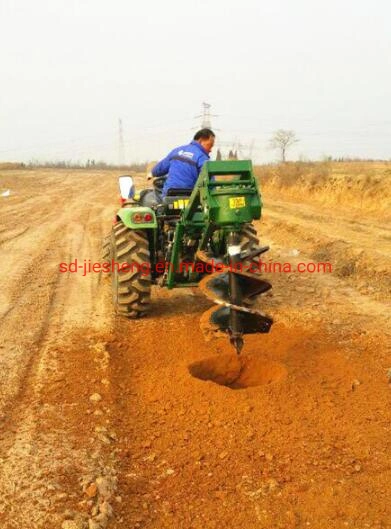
(177, 198)
(179, 192)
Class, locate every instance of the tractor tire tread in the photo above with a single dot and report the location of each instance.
(131, 287)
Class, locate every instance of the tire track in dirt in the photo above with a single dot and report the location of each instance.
(361, 260)
(13, 236)
(30, 435)
(42, 279)
(332, 225)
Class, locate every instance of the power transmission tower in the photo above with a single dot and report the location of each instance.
(206, 116)
(121, 144)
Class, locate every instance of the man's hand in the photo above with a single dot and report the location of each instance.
(149, 175)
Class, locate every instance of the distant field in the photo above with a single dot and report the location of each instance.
(362, 187)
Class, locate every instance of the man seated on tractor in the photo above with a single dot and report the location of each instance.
(182, 166)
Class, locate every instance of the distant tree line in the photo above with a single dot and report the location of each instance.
(89, 164)
(352, 159)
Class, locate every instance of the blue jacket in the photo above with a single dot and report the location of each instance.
(182, 165)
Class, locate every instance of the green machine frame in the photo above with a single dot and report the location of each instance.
(226, 196)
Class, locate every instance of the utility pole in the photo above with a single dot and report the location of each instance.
(121, 144)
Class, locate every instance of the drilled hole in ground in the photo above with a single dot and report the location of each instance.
(238, 372)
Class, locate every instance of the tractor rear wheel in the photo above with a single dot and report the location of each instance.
(131, 275)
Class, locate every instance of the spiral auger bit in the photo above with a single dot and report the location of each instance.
(233, 290)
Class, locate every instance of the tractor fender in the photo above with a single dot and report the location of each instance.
(127, 216)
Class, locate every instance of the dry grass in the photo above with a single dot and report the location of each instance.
(363, 187)
(5, 166)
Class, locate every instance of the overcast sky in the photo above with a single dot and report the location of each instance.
(70, 69)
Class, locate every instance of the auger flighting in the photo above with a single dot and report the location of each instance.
(234, 290)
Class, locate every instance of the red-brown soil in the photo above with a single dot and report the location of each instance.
(144, 424)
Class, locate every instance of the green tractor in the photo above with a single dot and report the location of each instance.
(196, 237)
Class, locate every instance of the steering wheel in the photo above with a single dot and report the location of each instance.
(158, 183)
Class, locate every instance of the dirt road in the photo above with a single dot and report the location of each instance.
(102, 423)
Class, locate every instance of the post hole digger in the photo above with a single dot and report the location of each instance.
(202, 237)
